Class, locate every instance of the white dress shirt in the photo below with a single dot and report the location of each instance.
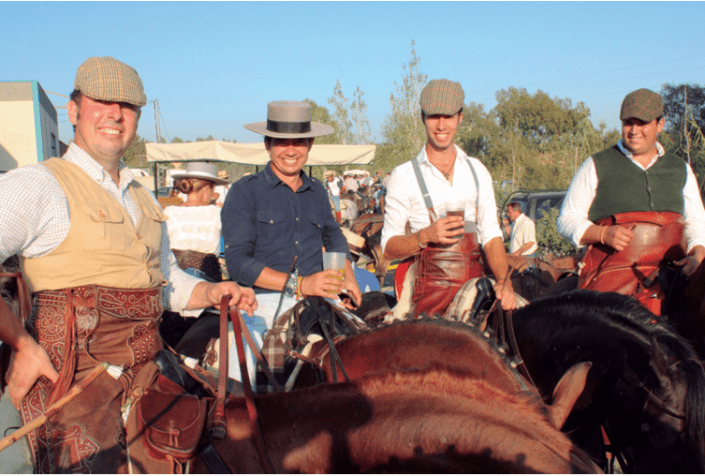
(34, 217)
(404, 201)
(573, 220)
(523, 231)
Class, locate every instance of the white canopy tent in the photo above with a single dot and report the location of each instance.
(253, 154)
(256, 154)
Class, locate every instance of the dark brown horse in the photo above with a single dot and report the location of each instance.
(422, 421)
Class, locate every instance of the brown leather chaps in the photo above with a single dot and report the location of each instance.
(658, 240)
(441, 271)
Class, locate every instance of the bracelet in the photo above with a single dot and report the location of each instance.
(299, 292)
(602, 233)
(418, 238)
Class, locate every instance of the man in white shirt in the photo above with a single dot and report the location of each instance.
(333, 185)
(523, 237)
(449, 174)
(636, 205)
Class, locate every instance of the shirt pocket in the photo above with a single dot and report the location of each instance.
(313, 231)
(271, 226)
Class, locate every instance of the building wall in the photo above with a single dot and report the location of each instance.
(29, 131)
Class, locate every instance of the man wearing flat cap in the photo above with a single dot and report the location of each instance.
(271, 217)
(96, 254)
(636, 207)
(445, 248)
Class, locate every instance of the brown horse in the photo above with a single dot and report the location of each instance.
(423, 344)
(419, 421)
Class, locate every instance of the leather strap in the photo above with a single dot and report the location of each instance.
(246, 385)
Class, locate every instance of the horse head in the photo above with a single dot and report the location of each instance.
(645, 390)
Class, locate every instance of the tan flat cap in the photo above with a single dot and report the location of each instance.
(442, 96)
(642, 104)
(107, 79)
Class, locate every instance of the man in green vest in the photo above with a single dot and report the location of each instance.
(636, 207)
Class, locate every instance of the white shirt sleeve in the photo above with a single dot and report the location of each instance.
(573, 219)
(694, 213)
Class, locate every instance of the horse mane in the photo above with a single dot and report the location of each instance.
(614, 312)
(498, 355)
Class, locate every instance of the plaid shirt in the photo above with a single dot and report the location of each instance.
(34, 218)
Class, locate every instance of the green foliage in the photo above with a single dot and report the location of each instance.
(403, 131)
(548, 237)
(136, 154)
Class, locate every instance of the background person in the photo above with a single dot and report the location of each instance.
(194, 226)
(635, 197)
(522, 240)
(222, 190)
(334, 185)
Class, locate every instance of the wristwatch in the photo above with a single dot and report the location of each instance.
(290, 286)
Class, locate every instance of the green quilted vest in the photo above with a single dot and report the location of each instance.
(624, 187)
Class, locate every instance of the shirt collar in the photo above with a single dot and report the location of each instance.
(273, 180)
(660, 152)
(423, 158)
(80, 157)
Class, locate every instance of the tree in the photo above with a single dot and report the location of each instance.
(403, 131)
(201, 139)
(681, 101)
(136, 154)
(322, 115)
(177, 140)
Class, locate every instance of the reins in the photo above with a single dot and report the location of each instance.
(219, 421)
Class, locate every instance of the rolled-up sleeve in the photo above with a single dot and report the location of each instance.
(396, 206)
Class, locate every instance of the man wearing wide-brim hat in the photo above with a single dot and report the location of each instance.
(419, 191)
(636, 207)
(96, 254)
(281, 213)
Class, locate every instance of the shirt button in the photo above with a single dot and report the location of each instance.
(271, 221)
(297, 218)
(297, 242)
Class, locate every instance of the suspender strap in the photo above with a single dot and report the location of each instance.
(427, 196)
(424, 190)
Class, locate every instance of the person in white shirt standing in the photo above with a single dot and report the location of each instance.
(334, 185)
(446, 174)
(522, 240)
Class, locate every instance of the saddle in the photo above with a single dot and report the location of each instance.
(291, 340)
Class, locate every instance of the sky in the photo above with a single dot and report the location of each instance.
(213, 66)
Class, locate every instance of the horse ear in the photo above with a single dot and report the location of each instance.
(567, 392)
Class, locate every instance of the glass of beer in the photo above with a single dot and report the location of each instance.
(456, 208)
(335, 261)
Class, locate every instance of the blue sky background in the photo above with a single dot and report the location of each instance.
(214, 66)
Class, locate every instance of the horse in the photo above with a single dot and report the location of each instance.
(646, 387)
(369, 226)
(430, 421)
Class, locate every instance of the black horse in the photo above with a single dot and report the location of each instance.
(646, 387)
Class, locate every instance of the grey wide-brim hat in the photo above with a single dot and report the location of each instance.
(200, 170)
(289, 120)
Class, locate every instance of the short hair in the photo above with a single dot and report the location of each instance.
(516, 206)
(268, 140)
(76, 97)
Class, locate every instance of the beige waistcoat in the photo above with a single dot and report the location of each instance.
(103, 247)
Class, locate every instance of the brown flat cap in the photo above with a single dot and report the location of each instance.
(289, 120)
(107, 79)
(642, 104)
(441, 96)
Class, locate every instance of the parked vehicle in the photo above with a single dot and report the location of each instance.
(536, 202)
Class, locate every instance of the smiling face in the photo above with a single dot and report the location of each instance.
(441, 130)
(288, 157)
(639, 137)
(103, 129)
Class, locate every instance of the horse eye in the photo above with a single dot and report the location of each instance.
(645, 427)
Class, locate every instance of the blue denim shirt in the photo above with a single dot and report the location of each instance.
(266, 224)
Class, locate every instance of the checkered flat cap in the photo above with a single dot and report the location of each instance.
(441, 96)
(107, 79)
(642, 104)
